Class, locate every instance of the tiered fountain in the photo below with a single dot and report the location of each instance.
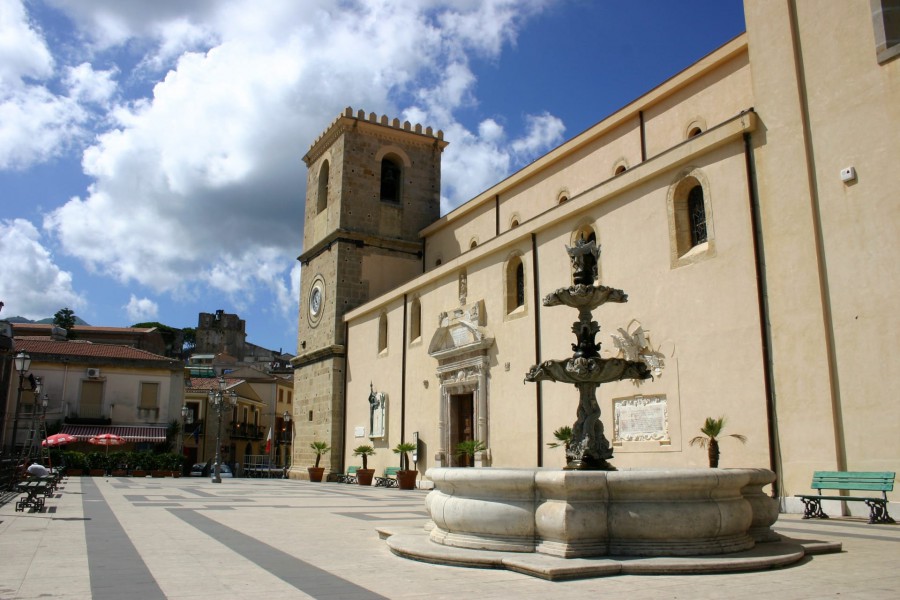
(490, 516)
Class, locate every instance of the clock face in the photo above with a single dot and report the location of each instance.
(316, 300)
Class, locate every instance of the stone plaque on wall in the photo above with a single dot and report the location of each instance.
(641, 419)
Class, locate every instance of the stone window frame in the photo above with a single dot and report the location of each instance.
(512, 309)
(382, 338)
(562, 196)
(695, 127)
(401, 160)
(322, 185)
(681, 251)
(415, 321)
(620, 167)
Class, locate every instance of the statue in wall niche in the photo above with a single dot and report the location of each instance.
(586, 370)
(377, 403)
(463, 288)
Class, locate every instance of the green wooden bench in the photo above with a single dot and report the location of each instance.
(349, 476)
(389, 479)
(880, 481)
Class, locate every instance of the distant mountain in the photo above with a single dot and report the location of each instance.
(47, 321)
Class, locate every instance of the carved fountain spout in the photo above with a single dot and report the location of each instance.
(586, 370)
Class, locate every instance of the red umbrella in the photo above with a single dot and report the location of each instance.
(107, 439)
(59, 439)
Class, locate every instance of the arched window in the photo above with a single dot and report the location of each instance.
(515, 284)
(620, 169)
(473, 243)
(415, 320)
(694, 132)
(382, 333)
(690, 219)
(390, 180)
(563, 198)
(322, 193)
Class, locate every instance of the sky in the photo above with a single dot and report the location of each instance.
(151, 152)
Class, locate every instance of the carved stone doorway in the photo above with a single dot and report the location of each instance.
(462, 418)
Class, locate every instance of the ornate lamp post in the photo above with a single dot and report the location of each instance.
(22, 363)
(286, 417)
(221, 400)
(187, 417)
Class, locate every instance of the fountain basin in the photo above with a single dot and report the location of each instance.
(576, 514)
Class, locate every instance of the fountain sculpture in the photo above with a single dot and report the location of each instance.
(589, 449)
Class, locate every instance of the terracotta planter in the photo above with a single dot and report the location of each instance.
(365, 476)
(157, 473)
(98, 472)
(74, 471)
(139, 473)
(176, 473)
(406, 480)
(315, 473)
(119, 472)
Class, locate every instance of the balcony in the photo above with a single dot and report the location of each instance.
(246, 431)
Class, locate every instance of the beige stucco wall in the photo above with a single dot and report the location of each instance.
(830, 247)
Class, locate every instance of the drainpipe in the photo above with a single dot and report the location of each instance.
(539, 389)
(403, 376)
(643, 130)
(765, 326)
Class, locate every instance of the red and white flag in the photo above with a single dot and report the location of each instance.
(269, 441)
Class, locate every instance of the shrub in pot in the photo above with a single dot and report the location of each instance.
(406, 477)
(468, 449)
(316, 472)
(365, 475)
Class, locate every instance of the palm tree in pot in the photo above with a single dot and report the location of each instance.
(468, 449)
(320, 448)
(712, 431)
(365, 475)
(563, 437)
(406, 477)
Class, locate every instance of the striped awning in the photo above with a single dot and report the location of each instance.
(131, 433)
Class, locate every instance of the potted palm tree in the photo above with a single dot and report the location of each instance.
(365, 475)
(563, 437)
(712, 431)
(406, 477)
(468, 449)
(316, 472)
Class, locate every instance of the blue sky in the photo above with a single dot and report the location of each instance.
(150, 152)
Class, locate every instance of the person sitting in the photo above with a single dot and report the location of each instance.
(38, 470)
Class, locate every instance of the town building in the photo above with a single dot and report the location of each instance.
(747, 206)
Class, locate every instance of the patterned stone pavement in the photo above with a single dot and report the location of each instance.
(245, 538)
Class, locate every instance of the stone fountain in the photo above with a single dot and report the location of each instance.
(578, 521)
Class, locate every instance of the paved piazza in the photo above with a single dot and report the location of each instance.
(249, 538)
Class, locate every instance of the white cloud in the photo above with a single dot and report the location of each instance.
(201, 185)
(543, 131)
(87, 85)
(141, 310)
(23, 52)
(32, 285)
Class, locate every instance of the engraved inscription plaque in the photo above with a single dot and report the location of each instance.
(640, 419)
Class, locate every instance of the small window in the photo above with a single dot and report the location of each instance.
(322, 195)
(620, 169)
(515, 284)
(473, 244)
(691, 234)
(694, 132)
(514, 224)
(886, 21)
(382, 334)
(149, 396)
(390, 181)
(563, 198)
(415, 320)
(437, 263)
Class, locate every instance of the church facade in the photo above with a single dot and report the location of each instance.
(747, 207)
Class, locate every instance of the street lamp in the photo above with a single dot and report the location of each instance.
(221, 400)
(22, 363)
(287, 424)
(187, 417)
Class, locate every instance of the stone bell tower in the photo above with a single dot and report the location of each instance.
(372, 185)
